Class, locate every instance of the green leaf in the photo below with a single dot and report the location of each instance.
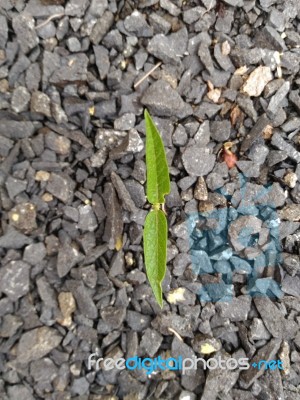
(158, 180)
(155, 250)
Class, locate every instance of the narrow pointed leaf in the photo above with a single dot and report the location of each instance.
(155, 250)
(158, 180)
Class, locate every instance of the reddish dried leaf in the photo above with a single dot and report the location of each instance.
(230, 159)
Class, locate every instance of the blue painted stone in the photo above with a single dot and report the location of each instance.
(272, 223)
(201, 262)
(215, 241)
(272, 258)
(232, 214)
(240, 265)
(218, 291)
(246, 209)
(222, 266)
(260, 261)
(223, 253)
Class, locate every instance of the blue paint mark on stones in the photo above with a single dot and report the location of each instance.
(239, 244)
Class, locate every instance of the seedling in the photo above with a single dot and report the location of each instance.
(156, 226)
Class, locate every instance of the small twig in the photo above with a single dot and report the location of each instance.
(147, 74)
(49, 19)
(176, 334)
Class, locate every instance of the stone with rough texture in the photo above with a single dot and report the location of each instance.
(170, 7)
(40, 103)
(68, 257)
(16, 129)
(123, 194)
(277, 99)
(151, 341)
(19, 392)
(84, 300)
(255, 133)
(34, 253)
(291, 285)
(3, 31)
(250, 169)
(131, 144)
(114, 221)
(267, 352)
(23, 25)
(10, 325)
(58, 143)
(23, 217)
(36, 343)
(271, 316)
(160, 47)
(12, 239)
(15, 186)
(20, 99)
(61, 186)
(257, 81)
(87, 219)
(137, 25)
(290, 212)
(219, 379)
(102, 60)
(269, 38)
(72, 68)
(163, 101)
(76, 8)
(278, 141)
(236, 310)
(14, 279)
(136, 321)
(241, 229)
(101, 27)
(181, 325)
(220, 130)
(198, 161)
(113, 316)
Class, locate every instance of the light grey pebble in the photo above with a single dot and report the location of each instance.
(20, 99)
(220, 130)
(198, 161)
(36, 343)
(137, 25)
(14, 280)
(73, 44)
(24, 27)
(162, 100)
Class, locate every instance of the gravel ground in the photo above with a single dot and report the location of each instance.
(75, 77)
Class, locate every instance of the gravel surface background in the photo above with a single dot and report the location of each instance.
(75, 77)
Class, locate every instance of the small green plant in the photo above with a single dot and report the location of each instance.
(156, 226)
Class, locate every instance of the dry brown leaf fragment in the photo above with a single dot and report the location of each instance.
(213, 94)
(210, 85)
(119, 243)
(226, 107)
(290, 179)
(235, 115)
(241, 71)
(257, 81)
(226, 48)
(67, 307)
(268, 132)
